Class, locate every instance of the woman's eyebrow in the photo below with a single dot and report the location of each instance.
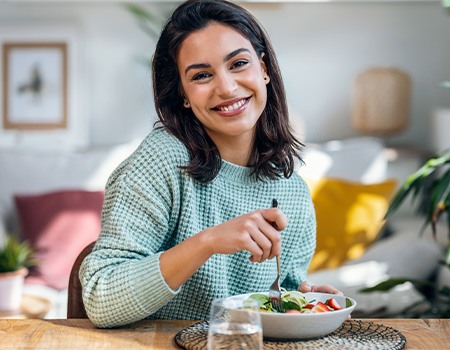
(196, 66)
(227, 58)
(234, 53)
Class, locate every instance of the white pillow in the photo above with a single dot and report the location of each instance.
(355, 159)
(316, 164)
(404, 255)
(411, 224)
(352, 278)
(398, 256)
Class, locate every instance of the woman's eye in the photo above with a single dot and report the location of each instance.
(200, 76)
(239, 64)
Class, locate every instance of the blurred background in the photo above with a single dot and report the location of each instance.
(321, 47)
(366, 85)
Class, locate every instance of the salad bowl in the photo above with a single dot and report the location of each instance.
(306, 325)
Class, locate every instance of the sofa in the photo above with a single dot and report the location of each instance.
(53, 199)
(359, 177)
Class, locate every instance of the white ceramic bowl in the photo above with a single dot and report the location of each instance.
(304, 326)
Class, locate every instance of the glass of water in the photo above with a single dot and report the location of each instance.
(235, 324)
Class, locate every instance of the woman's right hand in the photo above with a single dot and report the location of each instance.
(258, 232)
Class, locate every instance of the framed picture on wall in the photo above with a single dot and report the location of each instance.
(35, 85)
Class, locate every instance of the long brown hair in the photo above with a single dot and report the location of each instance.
(275, 146)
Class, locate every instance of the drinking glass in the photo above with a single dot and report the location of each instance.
(235, 324)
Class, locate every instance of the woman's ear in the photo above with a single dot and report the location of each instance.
(264, 69)
(186, 103)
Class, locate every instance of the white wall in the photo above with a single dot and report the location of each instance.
(320, 46)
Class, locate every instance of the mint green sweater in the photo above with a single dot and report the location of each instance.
(151, 205)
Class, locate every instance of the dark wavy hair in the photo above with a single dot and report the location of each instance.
(275, 146)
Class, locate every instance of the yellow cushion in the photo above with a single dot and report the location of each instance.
(349, 218)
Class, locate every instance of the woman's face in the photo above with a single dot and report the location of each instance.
(223, 82)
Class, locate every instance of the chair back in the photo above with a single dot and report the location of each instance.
(75, 306)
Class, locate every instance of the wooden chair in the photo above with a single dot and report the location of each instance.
(75, 306)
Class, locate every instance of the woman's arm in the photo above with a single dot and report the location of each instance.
(126, 278)
(253, 232)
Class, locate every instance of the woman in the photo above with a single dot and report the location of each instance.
(187, 217)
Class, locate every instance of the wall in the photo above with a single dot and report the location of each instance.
(331, 42)
(320, 46)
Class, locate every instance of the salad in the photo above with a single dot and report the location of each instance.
(295, 302)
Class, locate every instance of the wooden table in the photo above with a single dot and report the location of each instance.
(31, 334)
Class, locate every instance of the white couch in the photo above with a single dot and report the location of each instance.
(357, 159)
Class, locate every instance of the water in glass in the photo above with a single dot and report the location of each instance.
(234, 326)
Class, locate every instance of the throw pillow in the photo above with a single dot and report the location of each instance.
(418, 261)
(349, 218)
(58, 225)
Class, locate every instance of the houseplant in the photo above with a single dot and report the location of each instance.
(148, 21)
(429, 186)
(15, 258)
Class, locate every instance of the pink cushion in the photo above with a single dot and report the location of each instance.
(58, 225)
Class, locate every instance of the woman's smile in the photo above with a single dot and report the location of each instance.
(232, 108)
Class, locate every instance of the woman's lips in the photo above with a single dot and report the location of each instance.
(232, 108)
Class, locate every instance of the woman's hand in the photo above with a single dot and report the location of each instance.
(326, 288)
(254, 232)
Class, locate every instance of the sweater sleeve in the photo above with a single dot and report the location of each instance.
(121, 278)
(305, 247)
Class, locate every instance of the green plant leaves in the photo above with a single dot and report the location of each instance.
(147, 21)
(431, 182)
(14, 255)
(391, 283)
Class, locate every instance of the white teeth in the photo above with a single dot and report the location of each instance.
(233, 107)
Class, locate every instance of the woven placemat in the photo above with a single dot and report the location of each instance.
(352, 334)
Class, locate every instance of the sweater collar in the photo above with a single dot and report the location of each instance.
(237, 173)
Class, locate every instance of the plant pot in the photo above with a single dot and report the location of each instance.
(11, 289)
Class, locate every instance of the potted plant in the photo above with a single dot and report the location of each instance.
(15, 258)
(430, 187)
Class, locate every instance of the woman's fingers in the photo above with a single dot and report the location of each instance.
(270, 223)
(256, 232)
(324, 288)
(276, 217)
(268, 239)
(266, 235)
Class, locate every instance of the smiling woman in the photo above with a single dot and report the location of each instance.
(187, 217)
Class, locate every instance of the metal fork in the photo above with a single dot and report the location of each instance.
(275, 291)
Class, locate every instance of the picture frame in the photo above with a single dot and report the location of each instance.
(35, 85)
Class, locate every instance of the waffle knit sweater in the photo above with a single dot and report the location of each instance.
(151, 205)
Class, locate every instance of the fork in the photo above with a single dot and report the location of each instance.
(275, 291)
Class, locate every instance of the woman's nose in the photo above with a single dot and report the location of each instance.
(225, 84)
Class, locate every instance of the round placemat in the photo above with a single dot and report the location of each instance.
(352, 334)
